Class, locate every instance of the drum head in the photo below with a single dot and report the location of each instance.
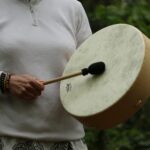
(121, 47)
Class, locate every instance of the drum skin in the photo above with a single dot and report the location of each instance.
(124, 107)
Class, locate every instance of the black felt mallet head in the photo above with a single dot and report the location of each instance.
(94, 69)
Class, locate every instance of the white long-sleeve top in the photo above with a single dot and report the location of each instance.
(37, 37)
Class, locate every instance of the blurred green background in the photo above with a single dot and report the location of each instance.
(135, 133)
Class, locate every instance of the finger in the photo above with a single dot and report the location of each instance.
(26, 93)
(37, 85)
(41, 82)
(32, 90)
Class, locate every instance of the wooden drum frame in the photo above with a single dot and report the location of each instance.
(129, 101)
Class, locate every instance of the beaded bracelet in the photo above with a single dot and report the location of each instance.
(4, 82)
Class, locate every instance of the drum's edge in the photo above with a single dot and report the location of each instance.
(130, 103)
(142, 39)
(115, 25)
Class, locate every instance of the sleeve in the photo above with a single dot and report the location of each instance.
(83, 30)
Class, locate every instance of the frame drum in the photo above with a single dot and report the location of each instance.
(109, 99)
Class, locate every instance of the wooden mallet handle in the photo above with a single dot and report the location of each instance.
(63, 78)
(94, 69)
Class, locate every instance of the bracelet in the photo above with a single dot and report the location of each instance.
(4, 82)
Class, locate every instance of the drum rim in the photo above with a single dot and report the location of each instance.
(106, 109)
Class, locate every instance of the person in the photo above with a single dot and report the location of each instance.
(37, 39)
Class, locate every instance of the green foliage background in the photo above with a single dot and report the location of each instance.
(135, 133)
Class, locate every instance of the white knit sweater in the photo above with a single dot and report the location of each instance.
(38, 38)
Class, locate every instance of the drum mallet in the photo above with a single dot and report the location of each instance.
(94, 69)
